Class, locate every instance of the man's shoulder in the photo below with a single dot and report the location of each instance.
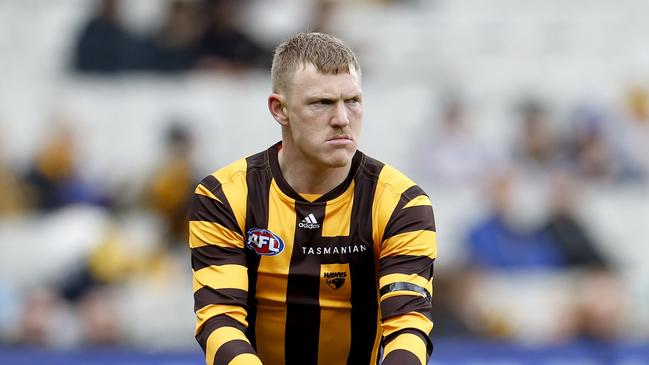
(386, 176)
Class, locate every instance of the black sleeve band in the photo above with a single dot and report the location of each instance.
(402, 285)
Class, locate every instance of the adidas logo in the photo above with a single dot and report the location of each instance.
(309, 222)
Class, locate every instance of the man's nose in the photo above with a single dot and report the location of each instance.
(340, 119)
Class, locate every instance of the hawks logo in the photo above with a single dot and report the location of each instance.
(264, 242)
(335, 279)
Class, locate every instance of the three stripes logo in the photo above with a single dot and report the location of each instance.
(309, 222)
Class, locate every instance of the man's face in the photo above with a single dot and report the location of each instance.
(324, 116)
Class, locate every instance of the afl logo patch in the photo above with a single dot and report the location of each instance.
(264, 242)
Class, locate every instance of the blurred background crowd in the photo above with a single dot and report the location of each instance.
(527, 122)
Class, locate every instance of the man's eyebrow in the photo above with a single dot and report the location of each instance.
(320, 98)
(322, 95)
(329, 96)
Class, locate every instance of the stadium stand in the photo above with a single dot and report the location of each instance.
(587, 64)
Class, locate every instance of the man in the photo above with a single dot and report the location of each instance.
(311, 252)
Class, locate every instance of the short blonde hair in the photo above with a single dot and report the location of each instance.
(327, 53)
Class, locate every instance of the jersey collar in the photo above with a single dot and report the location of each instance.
(276, 172)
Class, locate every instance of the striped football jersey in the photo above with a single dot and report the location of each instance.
(344, 279)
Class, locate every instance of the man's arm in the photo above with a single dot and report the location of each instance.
(220, 277)
(406, 273)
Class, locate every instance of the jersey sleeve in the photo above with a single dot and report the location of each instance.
(407, 254)
(220, 277)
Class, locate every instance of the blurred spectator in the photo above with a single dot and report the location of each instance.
(323, 12)
(634, 126)
(108, 263)
(36, 325)
(104, 45)
(500, 247)
(575, 243)
(590, 149)
(534, 148)
(510, 237)
(502, 240)
(600, 306)
(13, 197)
(176, 40)
(196, 33)
(170, 189)
(225, 45)
(447, 311)
(52, 177)
(100, 318)
(448, 154)
(600, 301)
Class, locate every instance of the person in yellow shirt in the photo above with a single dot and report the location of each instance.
(312, 252)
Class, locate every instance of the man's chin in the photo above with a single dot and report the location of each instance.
(339, 160)
(332, 159)
(337, 164)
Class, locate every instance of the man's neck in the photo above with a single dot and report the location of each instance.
(306, 178)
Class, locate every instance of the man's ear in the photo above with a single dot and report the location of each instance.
(277, 108)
